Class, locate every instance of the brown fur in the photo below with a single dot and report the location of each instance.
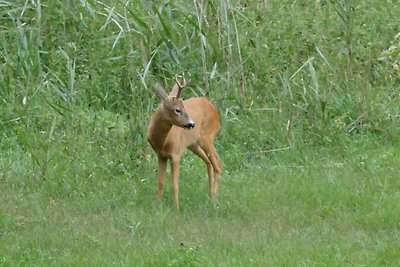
(169, 139)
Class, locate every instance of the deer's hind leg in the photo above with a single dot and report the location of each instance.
(212, 155)
(196, 149)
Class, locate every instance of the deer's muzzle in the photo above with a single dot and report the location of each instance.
(190, 125)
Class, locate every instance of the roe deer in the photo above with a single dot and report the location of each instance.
(179, 124)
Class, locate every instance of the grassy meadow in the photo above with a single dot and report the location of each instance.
(308, 93)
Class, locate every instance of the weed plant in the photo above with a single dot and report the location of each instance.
(308, 92)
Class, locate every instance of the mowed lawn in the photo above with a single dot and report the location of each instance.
(315, 206)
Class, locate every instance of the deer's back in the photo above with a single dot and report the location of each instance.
(207, 121)
(203, 113)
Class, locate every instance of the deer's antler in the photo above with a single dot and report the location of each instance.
(180, 85)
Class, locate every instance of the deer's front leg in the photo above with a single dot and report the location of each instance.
(162, 167)
(175, 179)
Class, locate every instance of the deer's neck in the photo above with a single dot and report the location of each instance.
(158, 130)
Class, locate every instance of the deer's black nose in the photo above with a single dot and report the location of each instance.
(190, 125)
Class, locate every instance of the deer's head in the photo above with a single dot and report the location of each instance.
(172, 105)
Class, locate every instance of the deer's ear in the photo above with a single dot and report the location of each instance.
(174, 91)
(160, 92)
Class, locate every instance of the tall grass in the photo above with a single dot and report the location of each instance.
(106, 56)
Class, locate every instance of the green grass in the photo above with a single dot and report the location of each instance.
(311, 207)
(308, 96)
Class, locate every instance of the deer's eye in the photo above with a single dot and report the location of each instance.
(178, 111)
